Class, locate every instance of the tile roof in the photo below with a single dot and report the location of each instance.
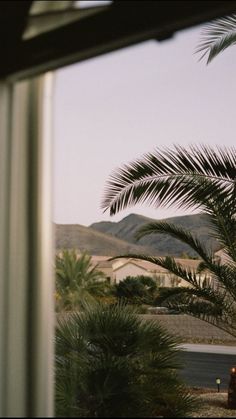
(151, 267)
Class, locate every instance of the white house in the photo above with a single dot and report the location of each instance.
(117, 270)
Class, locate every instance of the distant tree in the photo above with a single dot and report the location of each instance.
(136, 289)
(78, 281)
(110, 363)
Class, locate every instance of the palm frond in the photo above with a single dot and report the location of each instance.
(182, 177)
(213, 299)
(178, 233)
(203, 303)
(217, 36)
(223, 224)
(225, 272)
(215, 304)
(169, 264)
(195, 177)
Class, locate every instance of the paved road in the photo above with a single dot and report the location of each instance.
(213, 349)
(205, 363)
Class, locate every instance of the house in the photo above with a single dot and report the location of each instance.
(117, 270)
(134, 267)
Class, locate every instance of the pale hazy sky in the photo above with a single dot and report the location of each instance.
(112, 109)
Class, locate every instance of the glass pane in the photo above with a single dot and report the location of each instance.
(110, 111)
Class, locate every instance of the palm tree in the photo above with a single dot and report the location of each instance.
(217, 36)
(77, 280)
(109, 363)
(200, 178)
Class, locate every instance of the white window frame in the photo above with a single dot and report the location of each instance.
(26, 276)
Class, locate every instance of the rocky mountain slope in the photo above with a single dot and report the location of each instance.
(113, 238)
(161, 244)
(75, 236)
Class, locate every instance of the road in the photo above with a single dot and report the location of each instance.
(204, 363)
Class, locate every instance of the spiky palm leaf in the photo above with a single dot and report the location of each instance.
(223, 229)
(184, 177)
(116, 365)
(217, 36)
(206, 302)
(177, 233)
(201, 177)
(202, 299)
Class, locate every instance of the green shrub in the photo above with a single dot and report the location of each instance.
(163, 293)
(136, 289)
(109, 363)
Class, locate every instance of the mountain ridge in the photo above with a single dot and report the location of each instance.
(82, 238)
(113, 238)
(161, 244)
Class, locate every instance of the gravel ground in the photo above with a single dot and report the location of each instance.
(192, 330)
(214, 405)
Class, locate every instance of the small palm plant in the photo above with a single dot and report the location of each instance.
(77, 280)
(110, 363)
(200, 178)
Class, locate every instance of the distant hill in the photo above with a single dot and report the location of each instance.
(161, 244)
(75, 236)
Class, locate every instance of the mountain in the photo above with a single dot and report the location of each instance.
(75, 236)
(159, 244)
(114, 238)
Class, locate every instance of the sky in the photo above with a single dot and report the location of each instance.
(114, 108)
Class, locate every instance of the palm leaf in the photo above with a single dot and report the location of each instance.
(214, 305)
(178, 233)
(186, 178)
(203, 303)
(223, 224)
(169, 264)
(217, 36)
(225, 234)
(201, 177)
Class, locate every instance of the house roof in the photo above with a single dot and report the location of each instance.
(129, 262)
(101, 261)
(98, 258)
(104, 264)
(151, 267)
